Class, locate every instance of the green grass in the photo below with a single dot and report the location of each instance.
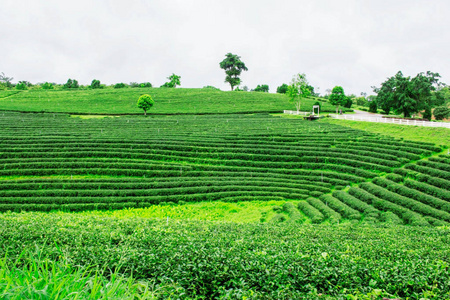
(438, 136)
(167, 101)
(31, 277)
(241, 212)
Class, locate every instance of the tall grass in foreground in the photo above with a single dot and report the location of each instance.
(45, 279)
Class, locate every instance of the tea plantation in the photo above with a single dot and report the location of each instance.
(340, 213)
(169, 101)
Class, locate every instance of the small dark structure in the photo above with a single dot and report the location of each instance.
(311, 117)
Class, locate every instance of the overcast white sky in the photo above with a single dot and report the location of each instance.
(352, 43)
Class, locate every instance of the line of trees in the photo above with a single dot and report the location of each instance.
(410, 95)
(6, 83)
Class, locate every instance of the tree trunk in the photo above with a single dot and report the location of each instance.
(145, 112)
(337, 109)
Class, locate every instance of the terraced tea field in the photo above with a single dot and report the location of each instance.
(135, 162)
(226, 206)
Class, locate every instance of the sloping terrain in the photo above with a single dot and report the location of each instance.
(133, 162)
(167, 101)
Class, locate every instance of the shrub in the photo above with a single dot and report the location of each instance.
(262, 88)
(373, 108)
(145, 85)
(211, 87)
(441, 112)
(47, 86)
(21, 86)
(71, 84)
(95, 84)
(120, 85)
(313, 213)
(282, 89)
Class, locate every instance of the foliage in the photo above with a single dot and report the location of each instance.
(145, 102)
(211, 88)
(426, 114)
(145, 85)
(361, 101)
(141, 85)
(47, 86)
(22, 85)
(298, 90)
(348, 102)
(71, 84)
(408, 95)
(233, 67)
(311, 90)
(373, 107)
(262, 88)
(337, 97)
(95, 84)
(5, 81)
(282, 89)
(120, 85)
(441, 112)
(185, 259)
(174, 81)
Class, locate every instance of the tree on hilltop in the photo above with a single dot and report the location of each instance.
(71, 84)
(282, 89)
(174, 81)
(95, 84)
(262, 88)
(233, 67)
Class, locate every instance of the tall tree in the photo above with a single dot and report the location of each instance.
(408, 95)
(298, 89)
(337, 97)
(233, 67)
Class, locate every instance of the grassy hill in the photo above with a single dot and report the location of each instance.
(167, 101)
(197, 206)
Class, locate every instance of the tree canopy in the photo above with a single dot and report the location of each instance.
(145, 102)
(95, 84)
(233, 67)
(406, 95)
(262, 88)
(71, 84)
(174, 80)
(282, 89)
(337, 97)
